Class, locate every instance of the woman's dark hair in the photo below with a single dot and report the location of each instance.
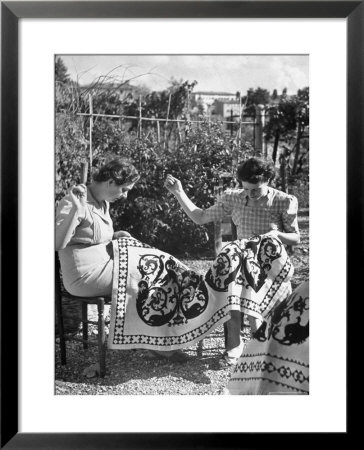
(121, 170)
(256, 170)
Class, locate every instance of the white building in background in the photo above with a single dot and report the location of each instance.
(226, 109)
(207, 98)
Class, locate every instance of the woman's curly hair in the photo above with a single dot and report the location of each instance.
(121, 170)
(256, 170)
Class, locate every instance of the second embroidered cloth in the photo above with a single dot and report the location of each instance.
(276, 360)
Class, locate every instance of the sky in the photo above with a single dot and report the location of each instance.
(228, 73)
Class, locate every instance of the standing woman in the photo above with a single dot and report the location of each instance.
(84, 229)
(257, 210)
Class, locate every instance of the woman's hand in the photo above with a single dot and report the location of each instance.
(70, 213)
(173, 184)
(273, 232)
(78, 196)
(194, 213)
(121, 234)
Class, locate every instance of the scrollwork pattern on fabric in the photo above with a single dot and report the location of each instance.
(167, 293)
(253, 258)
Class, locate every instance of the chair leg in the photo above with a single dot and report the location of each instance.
(62, 341)
(101, 336)
(84, 325)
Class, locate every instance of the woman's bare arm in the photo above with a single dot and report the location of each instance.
(194, 213)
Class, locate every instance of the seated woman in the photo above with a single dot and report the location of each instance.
(257, 210)
(84, 229)
(85, 238)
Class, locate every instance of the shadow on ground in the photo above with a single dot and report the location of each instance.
(124, 366)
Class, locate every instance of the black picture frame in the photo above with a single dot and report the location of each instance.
(11, 13)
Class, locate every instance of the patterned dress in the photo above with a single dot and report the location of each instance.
(254, 217)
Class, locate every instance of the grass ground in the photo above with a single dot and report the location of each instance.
(130, 373)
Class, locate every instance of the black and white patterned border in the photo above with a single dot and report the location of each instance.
(162, 341)
(233, 302)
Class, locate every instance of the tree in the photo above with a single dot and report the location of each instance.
(256, 97)
(66, 89)
(302, 114)
(289, 116)
(61, 72)
(304, 94)
(281, 120)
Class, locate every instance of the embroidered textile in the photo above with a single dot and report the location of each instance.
(157, 302)
(276, 360)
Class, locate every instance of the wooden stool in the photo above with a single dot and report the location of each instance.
(60, 294)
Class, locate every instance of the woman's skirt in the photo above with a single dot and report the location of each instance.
(159, 303)
(276, 360)
(87, 270)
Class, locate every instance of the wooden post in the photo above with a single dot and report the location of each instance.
(91, 129)
(188, 104)
(298, 148)
(283, 171)
(158, 132)
(140, 116)
(277, 136)
(188, 117)
(84, 170)
(179, 132)
(265, 148)
(240, 120)
(165, 126)
(231, 124)
(259, 126)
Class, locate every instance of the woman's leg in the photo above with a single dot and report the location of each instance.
(233, 325)
(234, 343)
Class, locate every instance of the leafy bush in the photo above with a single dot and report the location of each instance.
(71, 150)
(151, 214)
(197, 154)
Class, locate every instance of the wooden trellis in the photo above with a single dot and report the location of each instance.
(257, 124)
